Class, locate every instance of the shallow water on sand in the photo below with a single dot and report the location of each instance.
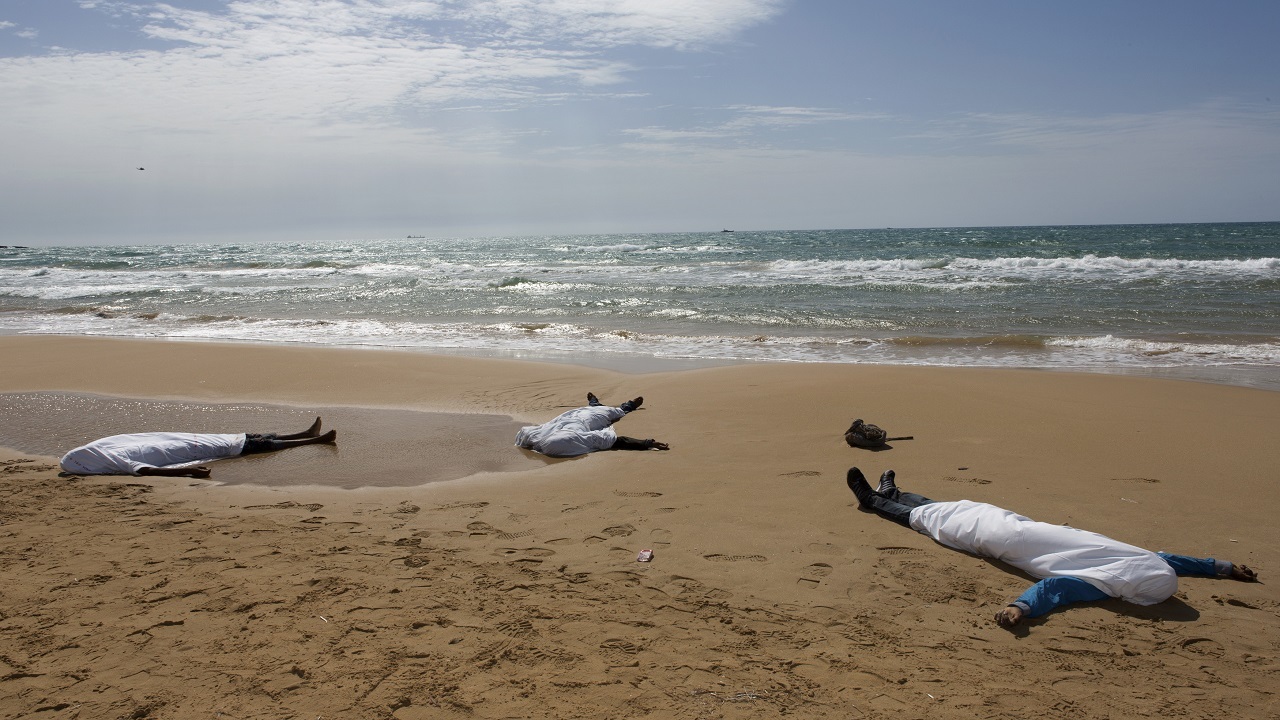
(375, 448)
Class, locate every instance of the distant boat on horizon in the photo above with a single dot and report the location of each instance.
(726, 230)
(415, 237)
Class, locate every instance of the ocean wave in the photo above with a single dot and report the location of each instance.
(557, 337)
(510, 282)
(1264, 353)
(527, 286)
(615, 248)
(809, 268)
(74, 291)
(1028, 266)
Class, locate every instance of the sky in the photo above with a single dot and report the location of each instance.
(127, 121)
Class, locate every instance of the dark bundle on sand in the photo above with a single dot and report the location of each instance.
(866, 435)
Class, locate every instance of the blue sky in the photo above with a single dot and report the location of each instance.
(346, 119)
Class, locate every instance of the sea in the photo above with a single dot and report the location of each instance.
(1193, 301)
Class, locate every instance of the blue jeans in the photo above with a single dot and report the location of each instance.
(896, 505)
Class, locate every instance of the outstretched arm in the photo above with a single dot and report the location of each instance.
(198, 471)
(1046, 595)
(1208, 567)
(627, 443)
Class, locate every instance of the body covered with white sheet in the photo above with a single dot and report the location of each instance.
(1042, 550)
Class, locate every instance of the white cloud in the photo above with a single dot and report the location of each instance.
(1220, 122)
(656, 23)
(321, 62)
(746, 123)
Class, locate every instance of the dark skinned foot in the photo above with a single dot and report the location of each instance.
(1243, 573)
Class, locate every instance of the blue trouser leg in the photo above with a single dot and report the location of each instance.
(896, 505)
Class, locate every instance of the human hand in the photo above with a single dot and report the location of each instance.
(200, 471)
(1009, 616)
(655, 445)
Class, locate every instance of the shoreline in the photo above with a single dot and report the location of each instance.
(518, 593)
(1260, 377)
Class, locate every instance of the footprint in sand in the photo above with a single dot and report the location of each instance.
(801, 473)
(971, 481)
(900, 551)
(625, 646)
(537, 552)
(23, 465)
(514, 535)
(691, 587)
(642, 493)
(623, 577)
(517, 628)
(665, 510)
(660, 537)
(287, 504)
(1204, 646)
(816, 572)
(819, 570)
(717, 557)
(461, 505)
(823, 549)
(1149, 481)
(619, 530)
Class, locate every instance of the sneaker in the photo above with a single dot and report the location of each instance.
(630, 405)
(886, 483)
(858, 484)
(592, 400)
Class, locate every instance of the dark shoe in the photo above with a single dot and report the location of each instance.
(630, 405)
(858, 484)
(886, 483)
(592, 400)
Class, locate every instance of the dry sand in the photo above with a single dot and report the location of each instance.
(514, 593)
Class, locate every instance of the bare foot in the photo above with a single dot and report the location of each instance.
(330, 437)
(1243, 573)
(314, 430)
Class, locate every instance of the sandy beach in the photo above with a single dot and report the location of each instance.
(467, 578)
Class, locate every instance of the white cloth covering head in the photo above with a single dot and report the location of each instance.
(127, 454)
(1042, 550)
(576, 432)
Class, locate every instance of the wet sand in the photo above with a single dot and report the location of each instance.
(379, 447)
(518, 594)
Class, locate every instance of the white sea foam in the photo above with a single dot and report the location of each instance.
(570, 337)
(1173, 353)
(963, 297)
